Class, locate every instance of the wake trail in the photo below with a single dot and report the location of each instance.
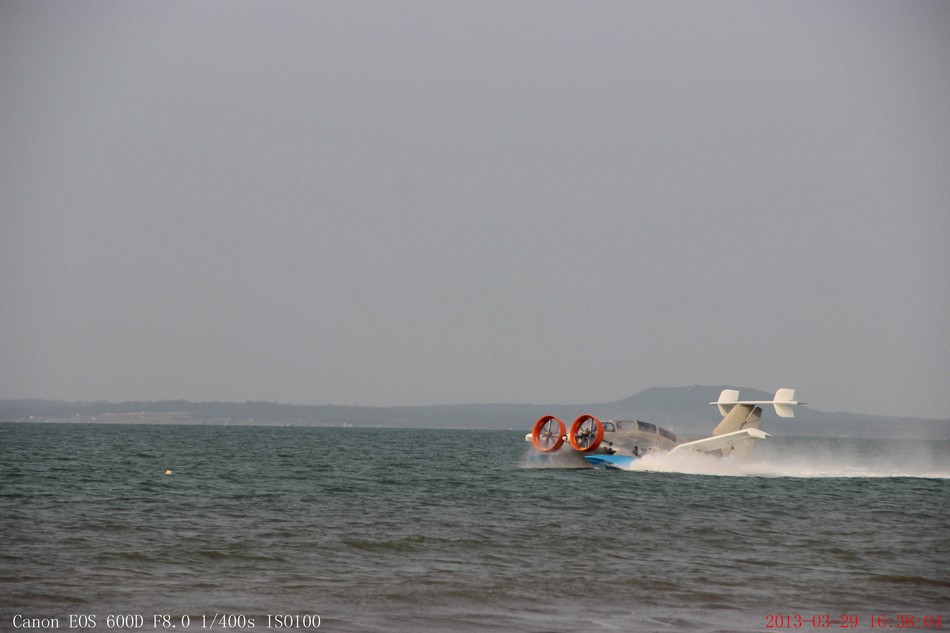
(810, 465)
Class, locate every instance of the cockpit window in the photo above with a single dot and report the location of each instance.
(667, 434)
(646, 427)
(609, 426)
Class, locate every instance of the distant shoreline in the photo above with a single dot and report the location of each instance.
(686, 410)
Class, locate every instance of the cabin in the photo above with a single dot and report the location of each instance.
(645, 434)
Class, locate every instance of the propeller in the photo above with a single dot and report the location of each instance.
(547, 434)
(586, 434)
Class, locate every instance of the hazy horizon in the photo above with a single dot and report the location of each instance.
(386, 204)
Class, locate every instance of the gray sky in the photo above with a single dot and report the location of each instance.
(388, 203)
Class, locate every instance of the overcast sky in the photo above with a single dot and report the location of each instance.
(400, 203)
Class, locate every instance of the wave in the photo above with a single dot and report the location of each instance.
(911, 580)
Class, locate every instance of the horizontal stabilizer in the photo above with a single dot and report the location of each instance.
(783, 402)
(720, 442)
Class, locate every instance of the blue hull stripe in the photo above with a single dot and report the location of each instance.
(610, 461)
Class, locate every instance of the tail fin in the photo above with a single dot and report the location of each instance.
(727, 399)
(783, 402)
(743, 415)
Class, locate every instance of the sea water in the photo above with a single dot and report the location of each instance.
(215, 528)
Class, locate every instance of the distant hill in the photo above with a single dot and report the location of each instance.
(682, 409)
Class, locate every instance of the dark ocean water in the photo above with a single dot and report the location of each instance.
(428, 530)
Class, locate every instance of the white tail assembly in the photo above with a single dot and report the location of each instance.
(783, 402)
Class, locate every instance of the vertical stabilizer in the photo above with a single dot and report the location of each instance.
(783, 403)
(785, 395)
(736, 419)
(727, 399)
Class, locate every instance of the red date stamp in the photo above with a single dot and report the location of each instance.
(788, 621)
